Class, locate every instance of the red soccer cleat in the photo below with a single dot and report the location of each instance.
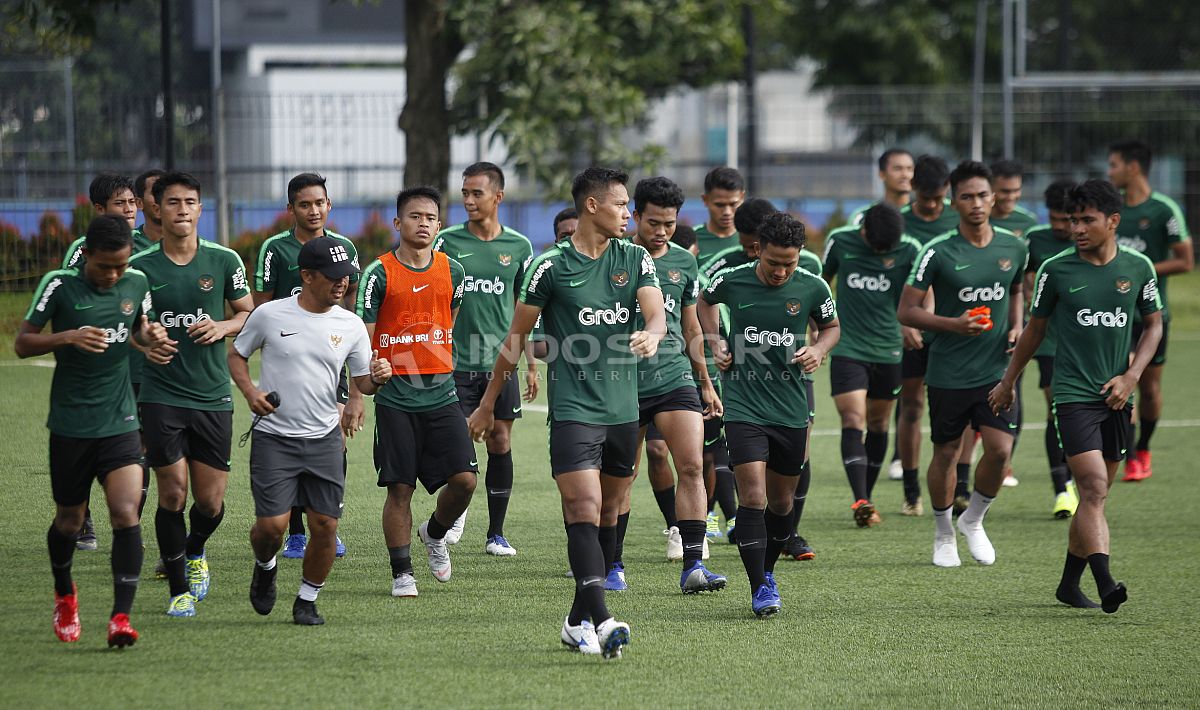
(1143, 458)
(1138, 467)
(120, 633)
(66, 616)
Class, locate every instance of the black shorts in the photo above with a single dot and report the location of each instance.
(1160, 355)
(609, 448)
(343, 386)
(471, 385)
(952, 410)
(783, 448)
(172, 433)
(684, 398)
(914, 363)
(880, 380)
(289, 472)
(1092, 426)
(714, 434)
(429, 446)
(76, 462)
(1045, 370)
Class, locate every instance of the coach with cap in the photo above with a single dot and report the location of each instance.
(297, 451)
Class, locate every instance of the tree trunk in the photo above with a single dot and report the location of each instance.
(432, 45)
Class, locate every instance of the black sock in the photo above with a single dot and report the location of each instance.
(692, 533)
(499, 483)
(876, 447)
(202, 528)
(622, 526)
(854, 460)
(607, 536)
(171, 533)
(1059, 475)
(1104, 581)
(587, 564)
(127, 555)
(801, 495)
(1073, 570)
(145, 486)
(752, 544)
(912, 485)
(962, 486)
(401, 559)
(666, 504)
(1147, 431)
(296, 524)
(778, 529)
(435, 530)
(62, 550)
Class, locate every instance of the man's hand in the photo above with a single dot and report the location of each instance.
(643, 344)
(381, 369)
(721, 355)
(354, 414)
(208, 331)
(1118, 390)
(713, 407)
(481, 422)
(969, 325)
(257, 399)
(1013, 336)
(1002, 396)
(809, 358)
(912, 338)
(87, 338)
(531, 384)
(152, 334)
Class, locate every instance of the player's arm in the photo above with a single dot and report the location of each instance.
(380, 372)
(261, 297)
(483, 419)
(827, 331)
(709, 316)
(207, 332)
(1016, 312)
(1118, 390)
(912, 313)
(644, 343)
(1182, 260)
(1005, 392)
(693, 345)
(31, 341)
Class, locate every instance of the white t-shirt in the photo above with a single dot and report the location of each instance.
(302, 356)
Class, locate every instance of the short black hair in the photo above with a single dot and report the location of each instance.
(883, 225)
(1007, 168)
(930, 174)
(782, 230)
(887, 156)
(684, 236)
(108, 233)
(1096, 193)
(493, 171)
(593, 182)
(657, 191)
(139, 183)
(303, 180)
(966, 170)
(105, 185)
(413, 193)
(1057, 195)
(750, 215)
(174, 178)
(1133, 151)
(564, 215)
(724, 178)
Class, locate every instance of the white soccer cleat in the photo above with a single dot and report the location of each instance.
(404, 586)
(945, 552)
(499, 547)
(580, 638)
(674, 544)
(439, 554)
(613, 636)
(455, 533)
(895, 471)
(977, 541)
(1010, 481)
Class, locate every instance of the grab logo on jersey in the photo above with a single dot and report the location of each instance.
(170, 319)
(769, 337)
(1105, 319)
(669, 303)
(869, 283)
(494, 287)
(609, 316)
(995, 292)
(120, 335)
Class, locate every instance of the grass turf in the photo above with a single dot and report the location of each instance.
(869, 622)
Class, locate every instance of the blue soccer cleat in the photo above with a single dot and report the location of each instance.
(765, 601)
(696, 578)
(293, 549)
(615, 581)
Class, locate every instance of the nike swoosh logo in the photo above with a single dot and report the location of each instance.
(897, 390)
(710, 443)
(746, 544)
(464, 256)
(1078, 288)
(286, 335)
(81, 307)
(744, 305)
(692, 547)
(578, 283)
(293, 267)
(516, 409)
(155, 287)
(960, 267)
(418, 289)
(474, 463)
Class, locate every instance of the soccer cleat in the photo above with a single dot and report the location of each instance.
(498, 546)
(86, 539)
(1064, 505)
(914, 509)
(798, 549)
(1147, 470)
(765, 601)
(160, 569)
(580, 638)
(1138, 468)
(770, 576)
(945, 552)
(729, 534)
(182, 605)
(439, 554)
(612, 636)
(120, 632)
(713, 526)
(977, 542)
(1010, 481)
(961, 503)
(697, 579)
(197, 576)
(306, 614)
(674, 544)
(865, 515)
(895, 471)
(262, 589)
(340, 550)
(293, 549)
(1116, 596)
(66, 615)
(455, 533)
(615, 581)
(404, 585)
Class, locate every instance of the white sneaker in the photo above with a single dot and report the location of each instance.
(704, 554)
(498, 546)
(977, 541)
(613, 635)
(455, 533)
(1010, 481)
(404, 586)
(581, 638)
(674, 544)
(439, 555)
(895, 471)
(945, 552)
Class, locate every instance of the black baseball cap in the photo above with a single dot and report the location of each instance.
(329, 256)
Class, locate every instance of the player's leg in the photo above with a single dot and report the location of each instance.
(1066, 498)
(447, 463)
(71, 475)
(164, 434)
(883, 387)
(912, 410)
(787, 446)
(265, 536)
(397, 537)
(123, 492)
(996, 432)
(848, 382)
(396, 456)
(948, 419)
(683, 430)
(1089, 530)
(749, 452)
(662, 478)
(318, 560)
(1150, 404)
(498, 483)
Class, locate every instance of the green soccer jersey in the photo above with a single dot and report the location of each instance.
(1151, 228)
(710, 243)
(186, 294)
(963, 277)
(736, 256)
(767, 325)
(278, 268)
(1018, 221)
(410, 393)
(1091, 307)
(1043, 245)
(868, 291)
(494, 270)
(588, 309)
(923, 231)
(90, 396)
(670, 367)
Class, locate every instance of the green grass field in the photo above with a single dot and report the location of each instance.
(870, 622)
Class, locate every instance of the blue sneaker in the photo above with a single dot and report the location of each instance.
(341, 548)
(196, 569)
(698, 579)
(712, 527)
(294, 547)
(765, 601)
(615, 581)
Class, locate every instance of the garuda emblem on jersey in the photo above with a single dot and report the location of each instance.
(127, 307)
(888, 262)
(1124, 285)
(620, 278)
(1005, 264)
(504, 259)
(1144, 223)
(675, 275)
(792, 306)
(206, 283)
(335, 340)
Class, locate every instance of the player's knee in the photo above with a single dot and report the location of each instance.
(322, 525)
(912, 411)
(463, 483)
(499, 442)
(171, 498)
(399, 495)
(582, 510)
(68, 521)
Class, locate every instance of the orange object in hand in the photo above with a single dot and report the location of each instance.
(984, 311)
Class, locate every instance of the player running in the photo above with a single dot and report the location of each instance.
(1008, 213)
(896, 174)
(724, 191)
